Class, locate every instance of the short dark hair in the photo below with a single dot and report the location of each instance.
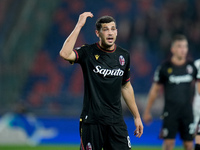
(104, 19)
(178, 37)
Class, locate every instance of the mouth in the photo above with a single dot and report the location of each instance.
(110, 39)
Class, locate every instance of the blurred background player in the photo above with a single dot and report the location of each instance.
(106, 71)
(176, 77)
(196, 107)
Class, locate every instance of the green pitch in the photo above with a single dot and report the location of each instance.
(71, 147)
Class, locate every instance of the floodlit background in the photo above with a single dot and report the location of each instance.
(35, 79)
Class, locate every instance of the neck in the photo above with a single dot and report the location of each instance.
(107, 47)
(178, 61)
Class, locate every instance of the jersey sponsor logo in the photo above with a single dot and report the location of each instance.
(106, 72)
(121, 60)
(180, 79)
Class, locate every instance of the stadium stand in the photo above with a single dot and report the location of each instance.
(32, 70)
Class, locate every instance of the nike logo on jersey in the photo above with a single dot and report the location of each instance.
(180, 79)
(106, 72)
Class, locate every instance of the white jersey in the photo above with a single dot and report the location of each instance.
(196, 103)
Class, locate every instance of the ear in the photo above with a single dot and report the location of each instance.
(97, 33)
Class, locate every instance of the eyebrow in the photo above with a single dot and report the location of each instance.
(107, 27)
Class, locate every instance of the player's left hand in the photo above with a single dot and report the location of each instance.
(139, 127)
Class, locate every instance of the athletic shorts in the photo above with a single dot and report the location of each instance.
(173, 124)
(96, 137)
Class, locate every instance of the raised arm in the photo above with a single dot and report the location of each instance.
(67, 50)
(129, 98)
(153, 93)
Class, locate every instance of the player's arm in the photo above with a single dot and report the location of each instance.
(129, 97)
(153, 93)
(67, 49)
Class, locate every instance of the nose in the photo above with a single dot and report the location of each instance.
(110, 32)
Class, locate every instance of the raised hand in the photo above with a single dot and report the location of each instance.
(83, 17)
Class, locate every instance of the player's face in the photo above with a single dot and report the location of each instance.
(180, 49)
(107, 35)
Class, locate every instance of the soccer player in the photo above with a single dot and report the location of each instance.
(196, 108)
(176, 77)
(106, 72)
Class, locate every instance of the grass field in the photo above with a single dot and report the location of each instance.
(72, 147)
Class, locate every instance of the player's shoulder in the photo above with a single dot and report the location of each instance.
(192, 63)
(164, 66)
(85, 46)
(120, 49)
(166, 63)
(189, 61)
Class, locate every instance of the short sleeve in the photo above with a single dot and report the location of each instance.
(81, 53)
(158, 75)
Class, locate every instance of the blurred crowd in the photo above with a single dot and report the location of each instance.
(154, 26)
(145, 28)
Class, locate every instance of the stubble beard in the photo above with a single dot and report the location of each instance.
(107, 46)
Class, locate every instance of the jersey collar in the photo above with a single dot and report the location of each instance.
(108, 51)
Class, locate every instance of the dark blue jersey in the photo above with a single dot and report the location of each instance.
(104, 73)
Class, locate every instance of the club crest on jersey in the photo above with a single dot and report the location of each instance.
(189, 69)
(121, 60)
